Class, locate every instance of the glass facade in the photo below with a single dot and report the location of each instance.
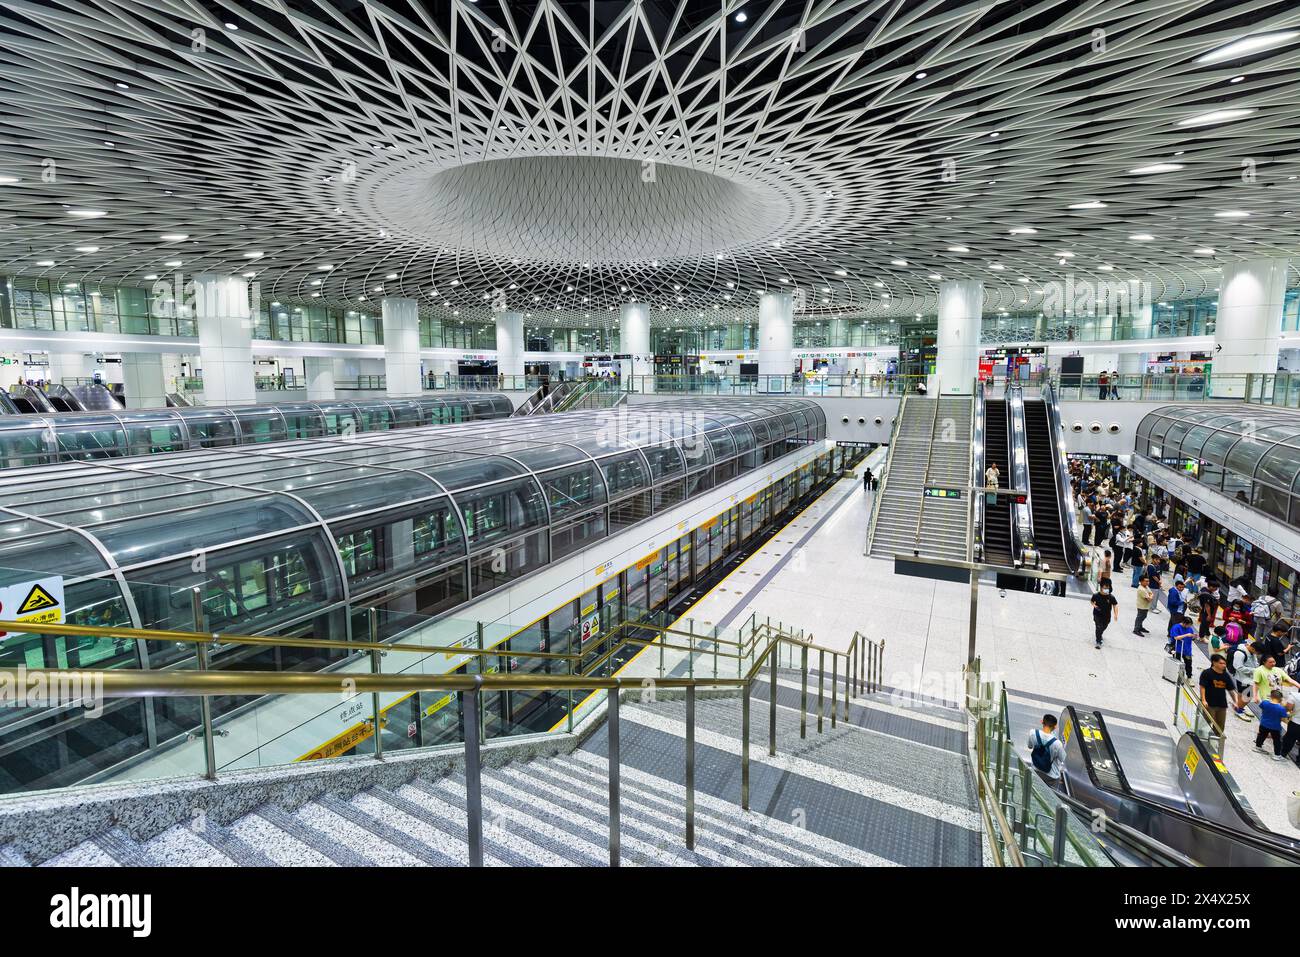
(1252, 455)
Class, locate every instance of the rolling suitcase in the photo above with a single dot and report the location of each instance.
(1173, 668)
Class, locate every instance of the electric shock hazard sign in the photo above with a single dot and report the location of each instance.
(35, 602)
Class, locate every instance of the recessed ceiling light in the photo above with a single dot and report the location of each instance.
(87, 213)
(327, 268)
(152, 276)
(1236, 79)
(391, 275)
(958, 249)
(1155, 168)
(253, 255)
(1204, 251)
(1218, 116)
(921, 76)
(174, 237)
(1231, 214)
(838, 272)
(123, 86)
(899, 262)
(1023, 230)
(46, 263)
(5, 180)
(1088, 204)
(248, 275)
(1248, 45)
(1141, 237)
(741, 17)
(87, 249)
(173, 263)
(232, 27)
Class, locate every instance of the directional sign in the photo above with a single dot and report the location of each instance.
(933, 492)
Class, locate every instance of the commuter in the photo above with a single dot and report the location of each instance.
(992, 476)
(1181, 634)
(1123, 548)
(1216, 683)
(1265, 609)
(1240, 613)
(1242, 664)
(1105, 609)
(1237, 590)
(1268, 677)
(1145, 597)
(1175, 603)
(1276, 643)
(1272, 712)
(1103, 382)
(1105, 569)
(1292, 736)
(1114, 384)
(1047, 752)
(1089, 519)
(866, 480)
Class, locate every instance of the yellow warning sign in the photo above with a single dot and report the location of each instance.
(1191, 762)
(37, 599)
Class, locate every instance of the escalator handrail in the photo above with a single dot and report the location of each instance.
(1248, 817)
(1071, 535)
(1131, 837)
(1262, 839)
(1022, 516)
(884, 482)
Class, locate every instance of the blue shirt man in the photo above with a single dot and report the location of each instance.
(1176, 602)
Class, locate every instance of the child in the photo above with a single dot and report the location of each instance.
(1271, 713)
(1180, 641)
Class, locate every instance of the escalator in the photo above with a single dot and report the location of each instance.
(1044, 501)
(96, 397)
(997, 517)
(62, 398)
(30, 401)
(1180, 796)
(7, 405)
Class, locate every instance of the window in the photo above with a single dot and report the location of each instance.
(358, 552)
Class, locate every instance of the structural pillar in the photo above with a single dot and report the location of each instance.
(144, 380)
(320, 378)
(1249, 323)
(775, 339)
(225, 326)
(957, 360)
(510, 343)
(401, 346)
(634, 341)
(1134, 363)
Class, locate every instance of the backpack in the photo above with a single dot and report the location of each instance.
(1041, 755)
(1262, 608)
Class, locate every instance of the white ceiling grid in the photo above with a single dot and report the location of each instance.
(687, 154)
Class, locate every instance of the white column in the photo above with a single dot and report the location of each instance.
(402, 346)
(1140, 325)
(71, 365)
(510, 343)
(320, 378)
(1249, 323)
(634, 340)
(143, 380)
(225, 339)
(775, 338)
(961, 309)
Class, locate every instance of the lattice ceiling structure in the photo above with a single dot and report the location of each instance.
(572, 156)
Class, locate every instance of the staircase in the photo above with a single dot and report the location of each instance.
(932, 447)
(888, 786)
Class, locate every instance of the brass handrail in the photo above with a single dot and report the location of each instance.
(204, 638)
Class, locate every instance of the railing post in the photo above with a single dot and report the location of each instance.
(612, 724)
(690, 767)
(205, 703)
(1059, 835)
(473, 774)
(372, 615)
(771, 707)
(821, 694)
(846, 696)
(744, 747)
(803, 693)
(482, 702)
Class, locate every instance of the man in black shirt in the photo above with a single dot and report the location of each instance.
(1215, 685)
(1105, 609)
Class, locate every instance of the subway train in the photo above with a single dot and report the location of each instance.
(46, 439)
(302, 538)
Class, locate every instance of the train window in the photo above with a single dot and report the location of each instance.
(567, 537)
(665, 460)
(22, 447)
(572, 489)
(91, 442)
(302, 423)
(263, 426)
(212, 430)
(501, 510)
(509, 560)
(668, 494)
(358, 551)
(437, 535)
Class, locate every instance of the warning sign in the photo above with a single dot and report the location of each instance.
(39, 601)
(1191, 762)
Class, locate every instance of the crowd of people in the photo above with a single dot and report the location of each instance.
(1254, 656)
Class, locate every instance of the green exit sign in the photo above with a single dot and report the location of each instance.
(943, 493)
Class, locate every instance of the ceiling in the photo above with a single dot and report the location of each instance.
(561, 158)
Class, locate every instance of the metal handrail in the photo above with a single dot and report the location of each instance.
(884, 482)
(925, 479)
(222, 638)
(128, 683)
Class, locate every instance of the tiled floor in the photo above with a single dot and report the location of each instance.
(821, 581)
